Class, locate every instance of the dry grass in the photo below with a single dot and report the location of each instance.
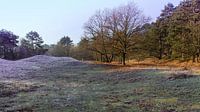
(169, 63)
(150, 63)
(173, 65)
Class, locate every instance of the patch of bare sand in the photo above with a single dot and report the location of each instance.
(35, 63)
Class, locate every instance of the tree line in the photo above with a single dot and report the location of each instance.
(176, 33)
(126, 33)
(120, 34)
(12, 49)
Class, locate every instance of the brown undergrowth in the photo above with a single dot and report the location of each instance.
(172, 65)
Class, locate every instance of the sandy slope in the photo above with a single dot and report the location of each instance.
(24, 66)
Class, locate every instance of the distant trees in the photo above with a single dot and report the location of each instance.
(31, 45)
(99, 36)
(121, 34)
(187, 23)
(25, 49)
(112, 32)
(12, 49)
(63, 47)
(125, 22)
(8, 43)
(176, 34)
(35, 42)
(66, 43)
(186, 29)
(82, 51)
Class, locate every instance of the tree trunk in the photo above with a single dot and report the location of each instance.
(96, 55)
(182, 56)
(12, 54)
(193, 58)
(169, 53)
(160, 48)
(120, 60)
(197, 54)
(197, 57)
(101, 57)
(124, 58)
(111, 58)
(107, 58)
(160, 54)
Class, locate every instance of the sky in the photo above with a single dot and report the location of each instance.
(53, 19)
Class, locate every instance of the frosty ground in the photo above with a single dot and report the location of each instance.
(50, 84)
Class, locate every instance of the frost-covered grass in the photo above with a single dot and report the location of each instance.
(23, 67)
(78, 87)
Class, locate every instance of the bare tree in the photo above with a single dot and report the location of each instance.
(112, 31)
(123, 23)
(97, 32)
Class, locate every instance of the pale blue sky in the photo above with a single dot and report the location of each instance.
(53, 19)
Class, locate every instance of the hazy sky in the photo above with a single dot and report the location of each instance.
(53, 19)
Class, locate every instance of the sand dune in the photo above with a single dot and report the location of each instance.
(24, 66)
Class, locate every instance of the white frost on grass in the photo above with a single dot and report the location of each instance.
(24, 66)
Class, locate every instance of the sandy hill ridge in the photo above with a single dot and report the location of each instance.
(24, 66)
